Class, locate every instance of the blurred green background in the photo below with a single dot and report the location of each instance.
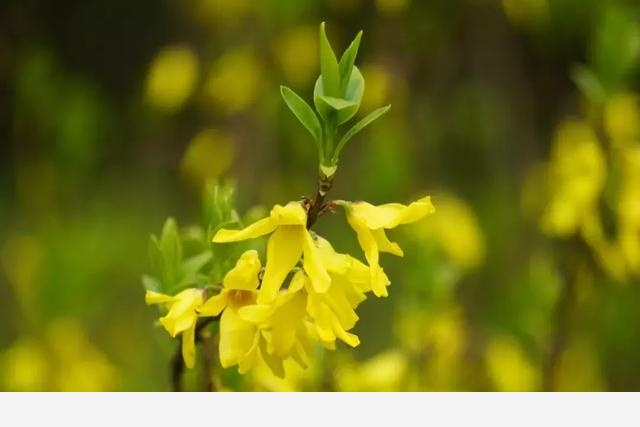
(113, 115)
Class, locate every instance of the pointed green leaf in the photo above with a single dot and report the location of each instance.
(347, 61)
(368, 119)
(344, 108)
(329, 66)
(151, 284)
(337, 104)
(193, 265)
(588, 83)
(355, 87)
(303, 112)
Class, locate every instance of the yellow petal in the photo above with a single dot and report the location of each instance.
(151, 297)
(370, 247)
(257, 229)
(175, 325)
(298, 282)
(189, 346)
(182, 313)
(313, 264)
(391, 215)
(384, 245)
(286, 321)
(249, 360)
(256, 313)
(334, 262)
(291, 214)
(273, 362)
(214, 305)
(236, 338)
(345, 336)
(244, 275)
(283, 252)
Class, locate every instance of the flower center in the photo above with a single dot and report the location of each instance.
(238, 297)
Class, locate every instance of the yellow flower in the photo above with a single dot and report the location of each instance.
(288, 241)
(334, 311)
(283, 326)
(384, 372)
(369, 223)
(576, 175)
(456, 230)
(238, 338)
(181, 318)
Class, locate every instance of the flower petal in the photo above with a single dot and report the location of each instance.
(384, 245)
(256, 313)
(151, 297)
(291, 214)
(189, 346)
(244, 275)
(391, 215)
(257, 229)
(313, 264)
(283, 252)
(214, 305)
(273, 362)
(237, 337)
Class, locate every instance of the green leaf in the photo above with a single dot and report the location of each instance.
(155, 256)
(344, 108)
(303, 112)
(368, 119)
(194, 264)
(151, 284)
(355, 87)
(615, 49)
(329, 65)
(337, 104)
(588, 83)
(347, 61)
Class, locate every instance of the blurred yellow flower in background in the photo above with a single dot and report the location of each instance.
(63, 360)
(384, 372)
(234, 81)
(524, 13)
(172, 77)
(629, 208)
(455, 229)
(621, 118)
(576, 176)
(578, 368)
(296, 51)
(509, 367)
(207, 156)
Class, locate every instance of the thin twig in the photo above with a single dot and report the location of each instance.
(177, 365)
(316, 208)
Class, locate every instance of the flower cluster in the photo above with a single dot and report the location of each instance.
(306, 292)
(592, 185)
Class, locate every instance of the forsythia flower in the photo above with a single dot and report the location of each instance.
(181, 318)
(577, 172)
(260, 321)
(238, 338)
(369, 223)
(629, 209)
(289, 239)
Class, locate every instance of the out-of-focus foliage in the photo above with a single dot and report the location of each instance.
(521, 117)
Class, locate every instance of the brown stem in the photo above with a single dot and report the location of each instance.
(317, 204)
(561, 330)
(177, 365)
